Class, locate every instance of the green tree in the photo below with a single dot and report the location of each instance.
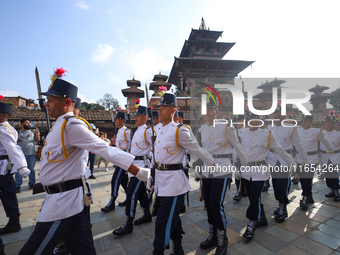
(335, 101)
(91, 106)
(108, 102)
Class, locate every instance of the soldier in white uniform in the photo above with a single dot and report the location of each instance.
(219, 140)
(310, 138)
(119, 177)
(331, 159)
(256, 144)
(140, 148)
(240, 125)
(287, 137)
(61, 173)
(9, 148)
(170, 180)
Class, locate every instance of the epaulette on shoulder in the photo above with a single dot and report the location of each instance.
(69, 116)
(2, 125)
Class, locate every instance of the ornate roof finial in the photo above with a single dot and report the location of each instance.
(202, 26)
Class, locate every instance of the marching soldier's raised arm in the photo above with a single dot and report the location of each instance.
(299, 147)
(190, 143)
(284, 155)
(10, 145)
(231, 136)
(323, 140)
(80, 136)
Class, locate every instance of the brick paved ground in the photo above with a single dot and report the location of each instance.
(315, 231)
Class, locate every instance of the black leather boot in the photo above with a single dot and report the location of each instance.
(122, 203)
(238, 196)
(303, 203)
(2, 252)
(211, 240)
(336, 195)
(110, 206)
(310, 200)
(146, 218)
(250, 230)
(282, 213)
(222, 242)
(330, 194)
(262, 222)
(12, 226)
(276, 211)
(126, 228)
(177, 248)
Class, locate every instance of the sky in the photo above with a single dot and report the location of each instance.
(104, 43)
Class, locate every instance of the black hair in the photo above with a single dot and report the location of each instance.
(23, 120)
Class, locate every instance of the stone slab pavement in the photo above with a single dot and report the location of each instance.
(314, 231)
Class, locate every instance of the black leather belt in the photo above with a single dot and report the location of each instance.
(273, 151)
(257, 163)
(63, 186)
(327, 152)
(165, 167)
(310, 153)
(2, 157)
(230, 156)
(139, 157)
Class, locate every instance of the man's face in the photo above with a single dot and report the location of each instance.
(55, 106)
(76, 111)
(211, 114)
(3, 117)
(180, 119)
(328, 125)
(165, 112)
(140, 119)
(306, 124)
(155, 121)
(26, 123)
(119, 122)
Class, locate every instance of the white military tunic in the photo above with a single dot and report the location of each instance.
(333, 138)
(217, 141)
(286, 137)
(309, 138)
(53, 169)
(123, 138)
(255, 146)
(174, 182)
(8, 146)
(141, 144)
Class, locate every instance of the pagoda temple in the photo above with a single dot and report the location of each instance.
(133, 93)
(201, 61)
(265, 98)
(319, 99)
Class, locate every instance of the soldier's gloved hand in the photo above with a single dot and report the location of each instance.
(149, 185)
(24, 172)
(143, 174)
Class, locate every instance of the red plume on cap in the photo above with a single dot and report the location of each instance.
(224, 117)
(118, 110)
(151, 108)
(292, 113)
(178, 108)
(137, 101)
(1, 97)
(60, 72)
(331, 112)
